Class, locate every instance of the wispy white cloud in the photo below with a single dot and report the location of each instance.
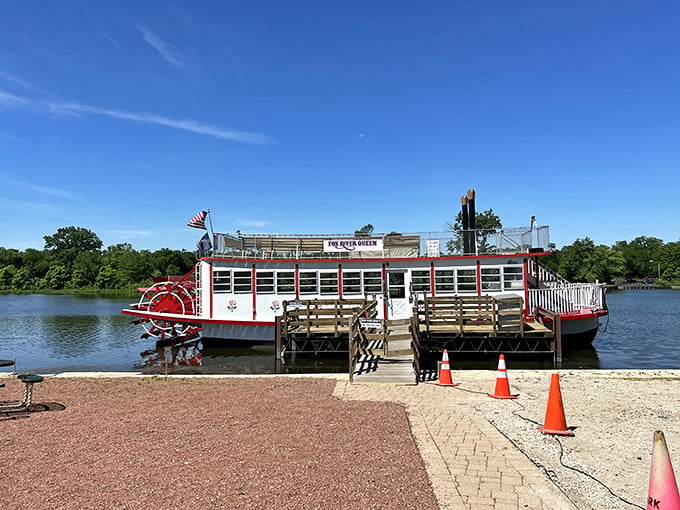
(10, 138)
(167, 51)
(38, 188)
(13, 79)
(251, 223)
(10, 100)
(113, 42)
(76, 109)
(25, 205)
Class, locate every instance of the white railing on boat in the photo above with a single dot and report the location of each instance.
(433, 244)
(546, 276)
(568, 297)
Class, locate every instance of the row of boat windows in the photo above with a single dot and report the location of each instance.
(446, 281)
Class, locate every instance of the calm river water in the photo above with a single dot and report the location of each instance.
(74, 333)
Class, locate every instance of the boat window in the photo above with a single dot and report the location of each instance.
(466, 280)
(372, 282)
(397, 286)
(420, 281)
(243, 282)
(491, 278)
(285, 282)
(328, 282)
(221, 281)
(351, 282)
(513, 278)
(444, 282)
(264, 282)
(308, 283)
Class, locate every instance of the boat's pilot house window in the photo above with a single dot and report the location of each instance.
(243, 282)
(285, 282)
(221, 281)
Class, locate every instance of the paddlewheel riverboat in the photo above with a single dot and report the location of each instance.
(471, 282)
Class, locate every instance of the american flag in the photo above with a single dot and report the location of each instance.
(198, 221)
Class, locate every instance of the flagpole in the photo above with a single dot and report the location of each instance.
(212, 233)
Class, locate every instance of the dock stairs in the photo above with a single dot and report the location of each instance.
(387, 360)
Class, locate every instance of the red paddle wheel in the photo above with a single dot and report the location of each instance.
(174, 295)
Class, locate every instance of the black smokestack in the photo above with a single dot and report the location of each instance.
(465, 224)
(472, 222)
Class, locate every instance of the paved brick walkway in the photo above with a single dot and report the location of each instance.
(471, 465)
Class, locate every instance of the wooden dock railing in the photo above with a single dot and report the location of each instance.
(459, 315)
(415, 345)
(319, 315)
(554, 322)
(359, 337)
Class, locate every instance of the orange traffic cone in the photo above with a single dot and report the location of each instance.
(445, 372)
(502, 385)
(663, 489)
(555, 422)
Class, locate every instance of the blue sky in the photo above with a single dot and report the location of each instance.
(127, 118)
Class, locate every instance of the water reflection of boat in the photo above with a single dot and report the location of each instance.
(585, 357)
(183, 354)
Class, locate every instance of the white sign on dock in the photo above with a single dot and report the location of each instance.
(371, 323)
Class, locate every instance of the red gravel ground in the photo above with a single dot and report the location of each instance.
(206, 443)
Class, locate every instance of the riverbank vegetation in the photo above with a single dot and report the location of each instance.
(74, 261)
(646, 259)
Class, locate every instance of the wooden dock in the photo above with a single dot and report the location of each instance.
(475, 324)
(390, 351)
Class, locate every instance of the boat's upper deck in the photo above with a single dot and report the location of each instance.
(392, 245)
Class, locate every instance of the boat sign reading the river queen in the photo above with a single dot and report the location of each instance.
(342, 245)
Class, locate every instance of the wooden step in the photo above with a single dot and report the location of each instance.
(399, 336)
(389, 371)
(399, 348)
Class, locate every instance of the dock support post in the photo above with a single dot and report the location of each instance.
(558, 340)
(277, 336)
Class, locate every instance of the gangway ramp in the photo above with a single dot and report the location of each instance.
(390, 362)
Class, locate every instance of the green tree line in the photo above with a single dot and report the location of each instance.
(73, 258)
(584, 261)
(643, 257)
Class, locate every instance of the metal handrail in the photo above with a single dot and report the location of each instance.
(546, 276)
